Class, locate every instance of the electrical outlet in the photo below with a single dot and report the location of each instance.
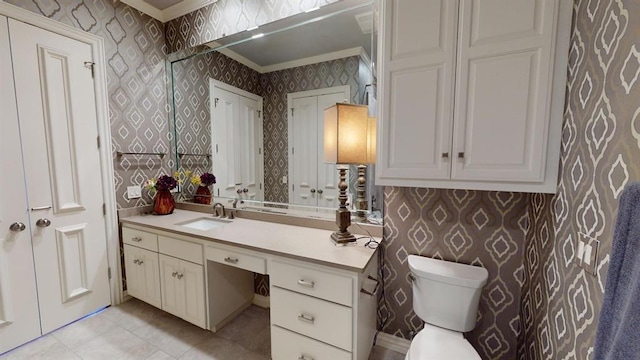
(587, 253)
(134, 192)
(284, 179)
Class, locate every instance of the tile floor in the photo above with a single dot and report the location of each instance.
(136, 330)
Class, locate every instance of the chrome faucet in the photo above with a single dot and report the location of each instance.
(215, 209)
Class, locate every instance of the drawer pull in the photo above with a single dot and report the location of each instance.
(136, 239)
(309, 284)
(231, 260)
(305, 357)
(306, 318)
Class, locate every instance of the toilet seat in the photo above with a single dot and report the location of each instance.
(437, 343)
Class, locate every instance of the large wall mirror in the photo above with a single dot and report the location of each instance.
(249, 107)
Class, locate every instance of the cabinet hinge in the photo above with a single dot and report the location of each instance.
(90, 65)
(259, 113)
(291, 112)
(293, 151)
(109, 273)
(98, 140)
(215, 102)
(104, 209)
(216, 148)
(293, 187)
(259, 151)
(260, 186)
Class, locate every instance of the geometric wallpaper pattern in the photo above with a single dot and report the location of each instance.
(473, 227)
(600, 152)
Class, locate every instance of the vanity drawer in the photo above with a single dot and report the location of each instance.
(235, 258)
(319, 319)
(289, 345)
(324, 285)
(139, 238)
(180, 249)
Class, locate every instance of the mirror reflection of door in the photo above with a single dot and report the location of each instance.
(312, 182)
(236, 131)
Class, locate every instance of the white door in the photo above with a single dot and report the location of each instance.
(501, 117)
(19, 320)
(57, 112)
(417, 66)
(236, 127)
(312, 182)
(303, 151)
(327, 184)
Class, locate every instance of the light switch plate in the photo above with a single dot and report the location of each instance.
(587, 256)
(133, 192)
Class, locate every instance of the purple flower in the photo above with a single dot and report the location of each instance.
(207, 179)
(166, 182)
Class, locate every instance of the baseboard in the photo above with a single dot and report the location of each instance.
(262, 301)
(393, 342)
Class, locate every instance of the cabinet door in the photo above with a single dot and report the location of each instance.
(143, 277)
(191, 279)
(416, 64)
(503, 89)
(171, 288)
(19, 321)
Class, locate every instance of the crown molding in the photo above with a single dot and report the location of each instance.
(170, 13)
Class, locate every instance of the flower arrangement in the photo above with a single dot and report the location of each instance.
(164, 182)
(206, 179)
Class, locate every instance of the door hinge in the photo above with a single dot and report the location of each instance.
(98, 140)
(215, 102)
(216, 148)
(293, 187)
(259, 113)
(218, 192)
(259, 151)
(293, 151)
(291, 112)
(109, 273)
(90, 65)
(104, 209)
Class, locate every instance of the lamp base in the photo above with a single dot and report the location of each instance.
(343, 238)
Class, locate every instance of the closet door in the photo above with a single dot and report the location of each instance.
(57, 112)
(19, 320)
(327, 173)
(303, 151)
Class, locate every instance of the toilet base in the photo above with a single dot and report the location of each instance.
(437, 343)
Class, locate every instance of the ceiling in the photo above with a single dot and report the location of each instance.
(165, 10)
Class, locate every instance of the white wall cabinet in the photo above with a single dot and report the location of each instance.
(472, 93)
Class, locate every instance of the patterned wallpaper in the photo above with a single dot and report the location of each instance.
(473, 227)
(135, 53)
(227, 17)
(600, 150)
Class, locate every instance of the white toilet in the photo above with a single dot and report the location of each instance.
(445, 297)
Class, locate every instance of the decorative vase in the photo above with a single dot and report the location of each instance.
(203, 195)
(164, 203)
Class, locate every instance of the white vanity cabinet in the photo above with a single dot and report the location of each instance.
(141, 265)
(182, 280)
(472, 93)
(321, 313)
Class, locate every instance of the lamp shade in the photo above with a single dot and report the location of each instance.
(346, 139)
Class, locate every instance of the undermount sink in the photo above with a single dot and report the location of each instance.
(205, 223)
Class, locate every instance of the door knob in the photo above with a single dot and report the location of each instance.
(43, 222)
(245, 190)
(239, 191)
(17, 227)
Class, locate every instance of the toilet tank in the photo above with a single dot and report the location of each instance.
(446, 294)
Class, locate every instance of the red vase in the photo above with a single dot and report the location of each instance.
(203, 195)
(164, 203)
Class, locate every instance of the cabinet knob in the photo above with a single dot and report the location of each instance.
(320, 191)
(239, 191)
(445, 155)
(313, 191)
(140, 262)
(135, 261)
(231, 260)
(461, 155)
(17, 227)
(136, 239)
(305, 283)
(305, 357)
(173, 274)
(245, 190)
(179, 276)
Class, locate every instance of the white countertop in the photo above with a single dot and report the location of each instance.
(302, 243)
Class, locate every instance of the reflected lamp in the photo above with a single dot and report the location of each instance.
(346, 141)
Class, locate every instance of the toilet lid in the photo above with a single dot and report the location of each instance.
(437, 343)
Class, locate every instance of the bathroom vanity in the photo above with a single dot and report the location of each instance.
(200, 268)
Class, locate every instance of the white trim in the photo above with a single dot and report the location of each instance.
(170, 13)
(262, 301)
(104, 130)
(230, 88)
(393, 343)
(341, 54)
